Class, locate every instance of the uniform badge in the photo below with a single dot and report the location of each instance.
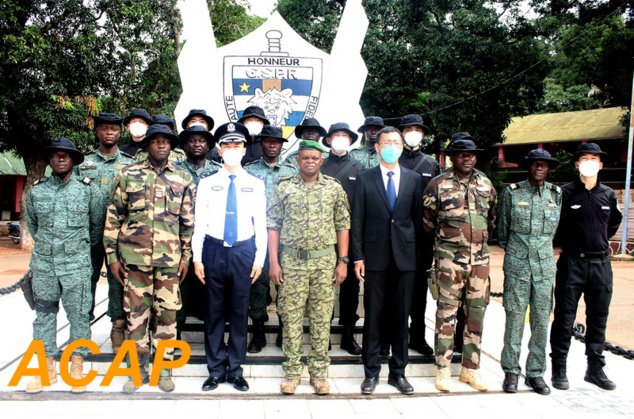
(427, 201)
(104, 180)
(159, 193)
(231, 128)
(86, 180)
(522, 203)
(217, 188)
(426, 174)
(575, 206)
(605, 207)
(246, 189)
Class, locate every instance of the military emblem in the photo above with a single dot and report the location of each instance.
(286, 87)
(231, 128)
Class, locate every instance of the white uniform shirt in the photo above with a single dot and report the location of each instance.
(211, 205)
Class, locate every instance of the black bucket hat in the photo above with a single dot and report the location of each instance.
(590, 148)
(198, 112)
(309, 123)
(63, 144)
(163, 120)
(271, 131)
(410, 120)
(371, 121)
(157, 129)
(462, 142)
(196, 129)
(231, 132)
(138, 113)
(106, 118)
(340, 126)
(254, 111)
(538, 154)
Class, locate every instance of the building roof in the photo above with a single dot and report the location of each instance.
(10, 164)
(592, 125)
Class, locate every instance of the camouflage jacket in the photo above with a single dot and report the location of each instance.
(366, 155)
(198, 173)
(102, 171)
(150, 219)
(308, 217)
(176, 156)
(291, 158)
(460, 216)
(271, 175)
(64, 220)
(528, 220)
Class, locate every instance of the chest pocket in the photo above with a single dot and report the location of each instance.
(136, 196)
(521, 218)
(45, 212)
(452, 202)
(175, 198)
(78, 212)
(483, 203)
(91, 173)
(551, 220)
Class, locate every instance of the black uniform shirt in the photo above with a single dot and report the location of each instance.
(334, 164)
(420, 163)
(588, 217)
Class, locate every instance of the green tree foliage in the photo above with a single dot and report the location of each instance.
(230, 20)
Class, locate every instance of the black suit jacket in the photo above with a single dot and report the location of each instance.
(377, 232)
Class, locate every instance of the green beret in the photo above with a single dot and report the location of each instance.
(310, 144)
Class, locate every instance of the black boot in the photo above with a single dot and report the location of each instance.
(278, 339)
(596, 376)
(258, 338)
(347, 341)
(559, 378)
(510, 382)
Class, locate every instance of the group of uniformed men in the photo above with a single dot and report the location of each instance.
(203, 228)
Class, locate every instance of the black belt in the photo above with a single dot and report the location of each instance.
(578, 254)
(222, 242)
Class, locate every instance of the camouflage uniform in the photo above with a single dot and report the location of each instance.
(198, 173)
(176, 156)
(102, 171)
(461, 230)
(271, 176)
(64, 220)
(291, 158)
(366, 155)
(528, 219)
(148, 229)
(308, 218)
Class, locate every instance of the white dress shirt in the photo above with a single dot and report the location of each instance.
(211, 205)
(396, 177)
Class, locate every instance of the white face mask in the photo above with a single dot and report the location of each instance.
(138, 129)
(413, 138)
(254, 127)
(232, 156)
(589, 168)
(339, 144)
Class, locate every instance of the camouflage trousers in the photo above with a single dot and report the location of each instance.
(74, 292)
(151, 294)
(115, 289)
(518, 294)
(467, 286)
(307, 284)
(259, 297)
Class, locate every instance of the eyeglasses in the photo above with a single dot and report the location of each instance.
(389, 143)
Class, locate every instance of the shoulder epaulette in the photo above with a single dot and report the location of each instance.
(284, 178)
(86, 180)
(514, 186)
(44, 179)
(204, 175)
(123, 153)
(553, 187)
(251, 162)
(254, 175)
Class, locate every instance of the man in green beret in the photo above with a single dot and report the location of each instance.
(307, 216)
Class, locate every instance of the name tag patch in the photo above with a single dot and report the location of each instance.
(246, 189)
(426, 174)
(352, 178)
(575, 206)
(217, 188)
(522, 204)
(604, 207)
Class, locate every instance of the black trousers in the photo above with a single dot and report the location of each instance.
(593, 279)
(228, 286)
(349, 298)
(388, 288)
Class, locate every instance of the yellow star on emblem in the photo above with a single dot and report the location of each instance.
(244, 87)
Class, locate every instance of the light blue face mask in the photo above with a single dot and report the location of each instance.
(391, 153)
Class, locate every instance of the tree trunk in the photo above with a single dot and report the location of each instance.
(35, 168)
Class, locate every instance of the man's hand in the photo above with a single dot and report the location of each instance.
(119, 272)
(341, 271)
(275, 274)
(359, 270)
(256, 271)
(199, 271)
(182, 271)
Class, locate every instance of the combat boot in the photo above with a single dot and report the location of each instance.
(258, 338)
(77, 372)
(117, 335)
(348, 343)
(166, 383)
(320, 384)
(35, 385)
(443, 379)
(290, 383)
(472, 377)
(129, 386)
(596, 376)
(559, 378)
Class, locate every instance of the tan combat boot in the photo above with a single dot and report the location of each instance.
(117, 335)
(320, 384)
(35, 385)
(472, 377)
(443, 379)
(77, 372)
(165, 381)
(290, 383)
(128, 386)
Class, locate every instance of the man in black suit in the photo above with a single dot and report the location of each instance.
(385, 224)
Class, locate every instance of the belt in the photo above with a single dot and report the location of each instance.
(578, 254)
(222, 242)
(307, 254)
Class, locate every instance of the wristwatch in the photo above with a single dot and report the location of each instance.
(344, 259)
